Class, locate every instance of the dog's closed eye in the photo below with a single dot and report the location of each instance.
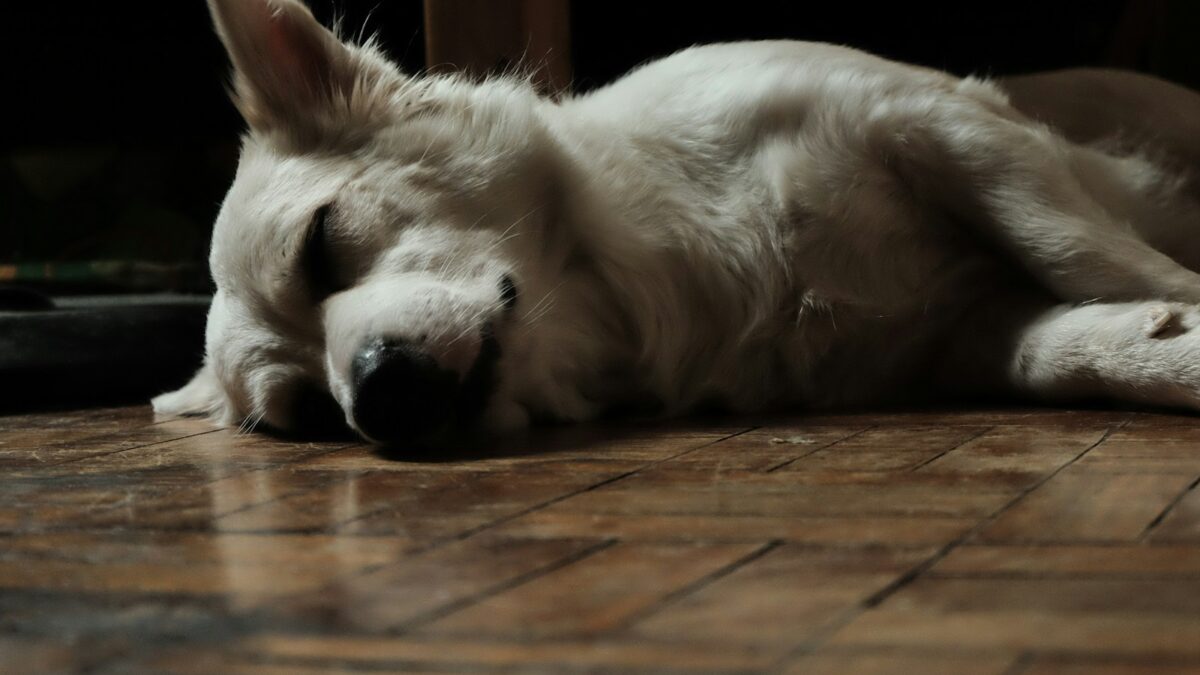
(317, 263)
(508, 293)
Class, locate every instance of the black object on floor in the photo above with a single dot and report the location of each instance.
(96, 350)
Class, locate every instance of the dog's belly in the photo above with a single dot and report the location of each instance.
(853, 328)
(849, 357)
(837, 354)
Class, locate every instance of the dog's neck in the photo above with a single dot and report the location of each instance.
(682, 302)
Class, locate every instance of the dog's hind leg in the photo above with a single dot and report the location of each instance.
(1141, 147)
(1134, 352)
(1154, 200)
(1090, 105)
(1149, 174)
(1018, 185)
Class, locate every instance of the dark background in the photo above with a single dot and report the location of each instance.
(119, 141)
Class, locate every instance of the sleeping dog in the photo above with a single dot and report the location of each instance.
(754, 225)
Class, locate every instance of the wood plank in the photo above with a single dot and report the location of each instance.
(38, 448)
(250, 583)
(103, 624)
(201, 504)
(1025, 453)
(243, 568)
(594, 595)
(182, 549)
(900, 497)
(1160, 427)
(684, 474)
(414, 504)
(889, 531)
(218, 454)
(1083, 506)
(201, 661)
(1142, 456)
(764, 449)
(1109, 616)
(82, 420)
(419, 588)
(1168, 596)
(25, 432)
(63, 499)
(177, 483)
(831, 661)
(1060, 665)
(1018, 417)
(588, 447)
(463, 653)
(1182, 523)
(888, 448)
(42, 655)
(1135, 561)
(1165, 597)
(1105, 634)
(787, 597)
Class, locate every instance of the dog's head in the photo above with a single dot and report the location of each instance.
(385, 248)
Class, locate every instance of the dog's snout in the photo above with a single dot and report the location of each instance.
(400, 391)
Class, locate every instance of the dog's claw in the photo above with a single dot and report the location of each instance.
(1158, 320)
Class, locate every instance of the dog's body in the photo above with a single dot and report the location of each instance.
(757, 224)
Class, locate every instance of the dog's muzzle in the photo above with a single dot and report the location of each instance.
(402, 393)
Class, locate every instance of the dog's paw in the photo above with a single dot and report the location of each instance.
(200, 397)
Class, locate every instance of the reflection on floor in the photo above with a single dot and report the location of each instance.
(1029, 541)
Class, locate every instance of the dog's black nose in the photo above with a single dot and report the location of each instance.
(400, 391)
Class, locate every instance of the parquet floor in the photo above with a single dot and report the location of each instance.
(1034, 541)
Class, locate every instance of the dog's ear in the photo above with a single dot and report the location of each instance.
(290, 72)
(201, 396)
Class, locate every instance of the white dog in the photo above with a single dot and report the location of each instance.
(753, 225)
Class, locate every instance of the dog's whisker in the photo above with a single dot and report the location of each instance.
(499, 242)
(258, 420)
(456, 255)
(505, 236)
(461, 334)
(545, 298)
(246, 426)
(543, 312)
(531, 318)
(469, 325)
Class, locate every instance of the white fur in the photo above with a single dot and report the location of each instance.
(755, 224)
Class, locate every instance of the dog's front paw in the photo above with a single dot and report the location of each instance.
(199, 397)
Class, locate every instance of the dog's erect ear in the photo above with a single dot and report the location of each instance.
(201, 396)
(289, 70)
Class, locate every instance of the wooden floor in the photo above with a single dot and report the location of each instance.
(1033, 542)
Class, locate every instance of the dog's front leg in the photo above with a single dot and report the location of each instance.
(1141, 352)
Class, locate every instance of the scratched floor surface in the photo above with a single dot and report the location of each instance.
(1005, 542)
